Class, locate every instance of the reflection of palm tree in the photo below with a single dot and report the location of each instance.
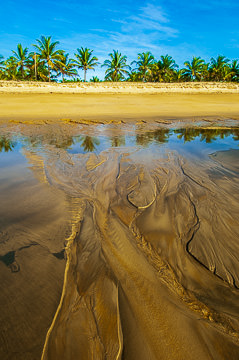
(187, 134)
(207, 135)
(117, 141)
(6, 144)
(144, 139)
(89, 143)
(235, 134)
(162, 135)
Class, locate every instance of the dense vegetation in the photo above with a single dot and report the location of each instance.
(49, 63)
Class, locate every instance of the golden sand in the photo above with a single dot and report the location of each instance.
(116, 108)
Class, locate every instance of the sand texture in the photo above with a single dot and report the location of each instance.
(117, 87)
(152, 254)
(144, 264)
(118, 108)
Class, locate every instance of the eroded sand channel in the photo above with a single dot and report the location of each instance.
(119, 242)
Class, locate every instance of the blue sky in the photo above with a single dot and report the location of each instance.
(181, 29)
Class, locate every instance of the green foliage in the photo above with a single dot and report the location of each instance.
(6, 144)
(94, 79)
(85, 60)
(48, 53)
(145, 60)
(117, 68)
(66, 66)
(49, 63)
(194, 70)
(163, 70)
(21, 59)
(219, 68)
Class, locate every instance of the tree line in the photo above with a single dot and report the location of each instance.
(49, 63)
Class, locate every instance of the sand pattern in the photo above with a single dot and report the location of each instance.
(151, 249)
(143, 266)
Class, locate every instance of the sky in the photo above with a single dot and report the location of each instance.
(182, 29)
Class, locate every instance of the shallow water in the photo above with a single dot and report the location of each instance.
(149, 219)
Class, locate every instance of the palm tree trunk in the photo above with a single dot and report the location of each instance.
(84, 75)
(49, 74)
(35, 66)
(22, 70)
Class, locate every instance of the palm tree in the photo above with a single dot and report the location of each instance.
(21, 58)
(94, 79)
(163, 70)
(116, 67)
(178, 75)
(66, 66)
(48, 53)
(2, 66)
(134, 76)
(194, 69)
(143, 63)
(219, 68)
(167, 66)
(36, 68)
(85, 60)
(233, 73)
(11, 72)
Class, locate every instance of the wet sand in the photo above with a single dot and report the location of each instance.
(152, 253)
(116, 107)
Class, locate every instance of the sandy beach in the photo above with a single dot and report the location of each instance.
(134, 247)
(117, 102)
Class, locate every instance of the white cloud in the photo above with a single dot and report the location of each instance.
(147, 30)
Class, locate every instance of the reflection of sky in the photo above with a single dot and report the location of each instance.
(13, 157)
(200, 148)
(194, 147)
(103, 142)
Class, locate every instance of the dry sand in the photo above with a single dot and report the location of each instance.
(122, 102)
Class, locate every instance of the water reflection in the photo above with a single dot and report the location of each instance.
(117, 141)
(87, 143)
(6, 144)
(207, 135)
(159, 135)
